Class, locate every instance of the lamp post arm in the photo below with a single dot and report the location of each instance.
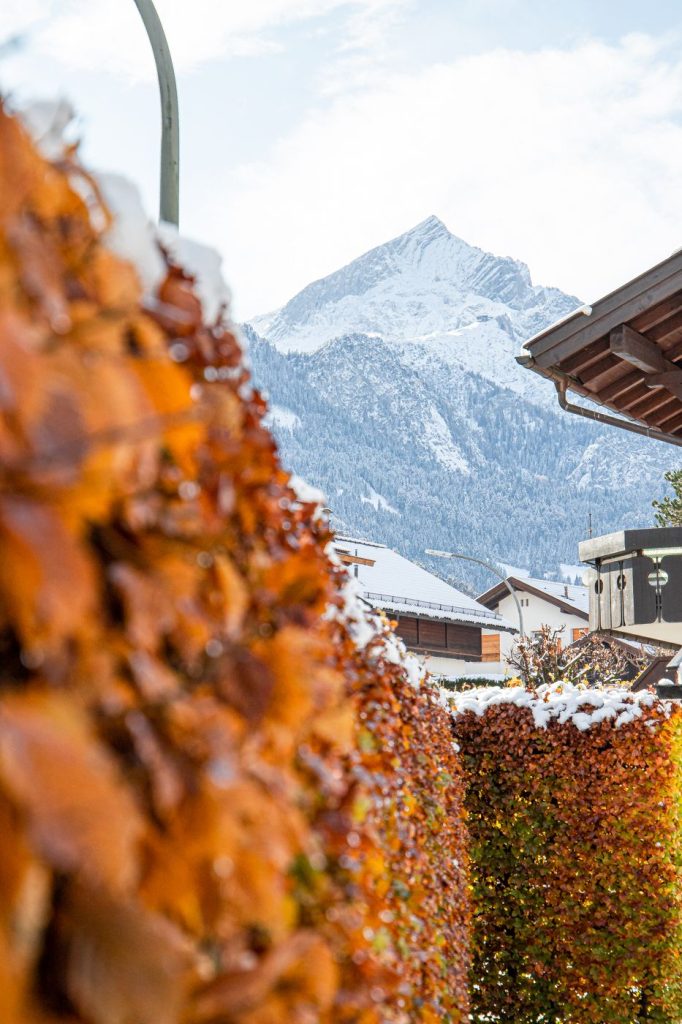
(169, 202)
(492, 569)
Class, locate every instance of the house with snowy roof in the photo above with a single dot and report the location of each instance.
(435, 621)
(561, 606)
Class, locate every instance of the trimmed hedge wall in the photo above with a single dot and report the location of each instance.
(219, 802)
(573, 800)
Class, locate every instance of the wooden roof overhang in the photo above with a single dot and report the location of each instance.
(624, 352)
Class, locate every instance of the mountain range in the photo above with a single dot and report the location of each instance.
(394, 388)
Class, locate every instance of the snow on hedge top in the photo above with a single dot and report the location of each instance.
(561, 702)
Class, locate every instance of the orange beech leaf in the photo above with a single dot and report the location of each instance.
(578, 905)
(115, 283)
(304, 679)
(167, 385)
(167, 782)
(124, 964)
(234, 595)
(181, 310)
(40, 272)
(12, 982)
(149, 610)
(80, 817)
(20, 167)
(155, 680)
(21, 396)
(303, 966)
(24, 912)
(45, 575)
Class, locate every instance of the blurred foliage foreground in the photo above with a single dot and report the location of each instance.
(221, 799)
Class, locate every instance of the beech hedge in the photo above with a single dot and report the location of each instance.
(574, 811)
(224, 798)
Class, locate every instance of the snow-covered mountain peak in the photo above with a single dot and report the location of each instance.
(395, 390)
(429, 288)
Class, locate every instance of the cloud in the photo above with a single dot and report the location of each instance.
(102, 35)
(569, 160)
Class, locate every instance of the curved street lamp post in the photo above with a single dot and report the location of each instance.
(491, 568)
(169, 202)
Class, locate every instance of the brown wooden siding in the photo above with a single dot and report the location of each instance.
(465, 639)
(439, 638)
(407, 629)
(432, 634)
(490, 647)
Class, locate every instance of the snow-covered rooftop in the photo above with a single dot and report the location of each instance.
(396, 584)
(569, 593)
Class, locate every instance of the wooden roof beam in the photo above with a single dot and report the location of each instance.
(578, 362)
(637, 298)
(645, 355)
(619, 387)
(664, 329)
(597, 370)
(665, 380)
(653, 401)
(662, 311)
(635, 396)
(348, 559)
(637, 350)
(672, 424)
(674, 353)
(665, 416)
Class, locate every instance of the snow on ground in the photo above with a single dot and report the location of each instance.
(571, 572)
(438, 438)
(560, 702)
(378, 502)
(513, 570)
(280, 416)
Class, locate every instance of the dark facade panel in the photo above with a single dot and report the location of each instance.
(637, 580)
(465, 639)
(407, 630)
(440, 638)
(432, 634)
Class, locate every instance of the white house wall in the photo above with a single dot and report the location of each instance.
(536, 613)
(455, 668)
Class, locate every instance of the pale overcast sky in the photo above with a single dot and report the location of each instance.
(315, 129)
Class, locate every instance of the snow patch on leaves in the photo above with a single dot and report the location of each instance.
(367, 626)
(560, 702)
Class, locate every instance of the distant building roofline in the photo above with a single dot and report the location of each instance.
(492, 597)
(358, 540)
